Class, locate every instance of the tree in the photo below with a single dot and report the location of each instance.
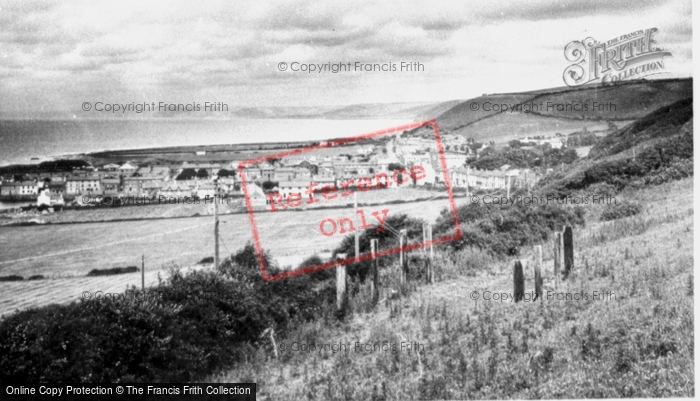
(268, 185)
(186, 174)
(226, 173)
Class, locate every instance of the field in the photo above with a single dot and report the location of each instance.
(637, 344)
(68, 251)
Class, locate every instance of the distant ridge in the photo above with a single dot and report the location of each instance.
(632, 100)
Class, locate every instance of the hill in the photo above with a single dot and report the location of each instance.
(661, 123)
(663, 151)
(547, 112)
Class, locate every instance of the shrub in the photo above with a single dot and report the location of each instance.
(388, 239)
(503, 229)
(187, 327)
(112, 271)
(620, 210)
(207, 260)
(13, 277)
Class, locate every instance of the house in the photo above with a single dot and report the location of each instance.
(111, 186)
(366, 150)
(228, 185)
(430, 173)
(291, 187)
(459, 177)
(452, 159)
(487, 179)
(56, 191)
(151, 188)
(133, 186)
(162, 172)
(127, 169)
(19, 190)
(257, 197)
(205, 191)
(290, 174)
(266, 171)
(83, 185)
(175, 191)
(111, 167)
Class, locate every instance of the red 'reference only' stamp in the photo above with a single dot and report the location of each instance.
(320, 191)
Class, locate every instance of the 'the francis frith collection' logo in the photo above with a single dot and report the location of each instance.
(629, 56)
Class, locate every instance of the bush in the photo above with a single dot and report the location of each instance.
(620, 210)
(388, 239)
(187, 327)
(207, 260)
(112, 271)
(12, 277)
(503, 229)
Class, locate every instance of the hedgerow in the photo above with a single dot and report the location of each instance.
(187, 327)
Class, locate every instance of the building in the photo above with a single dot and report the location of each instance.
(83, 185)
(19, 190)
(127, 169)
(205, 191)
(57, 189)
(293, 187)
(258, 200)
(111, 167)
(175, 191)
(111, 186)
(459, 177)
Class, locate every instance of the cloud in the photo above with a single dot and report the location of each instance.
(82, 48)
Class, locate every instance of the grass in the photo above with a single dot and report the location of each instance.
(637, 344)
(184, 242)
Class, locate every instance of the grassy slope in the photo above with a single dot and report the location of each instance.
(661, 123)
(664, 124)
(639, 344)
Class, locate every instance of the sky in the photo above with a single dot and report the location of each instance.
(56, 55)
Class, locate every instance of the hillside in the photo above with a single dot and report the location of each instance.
(665, 122)
(663, 151)
(631, 100)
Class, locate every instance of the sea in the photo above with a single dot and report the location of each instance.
(32, 141)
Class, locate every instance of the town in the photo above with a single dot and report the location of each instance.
(409, 159)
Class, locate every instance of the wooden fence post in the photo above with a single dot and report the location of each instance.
(403, 257)
(557, 258)
(518, 281)
(431, 264)
(374, 244)
(538, 272)
(568, 250)
(341, 283)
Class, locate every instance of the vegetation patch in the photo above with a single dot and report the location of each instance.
(619, 210)
(12, 277)
(112, 271)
